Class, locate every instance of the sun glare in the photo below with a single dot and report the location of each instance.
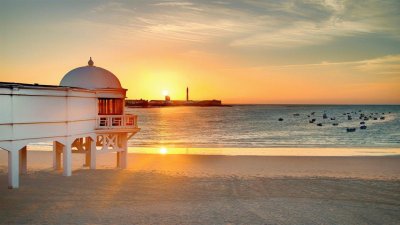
(165, 92)
(163, 151)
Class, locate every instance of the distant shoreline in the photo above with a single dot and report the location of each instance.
(299, 105)
(162, 106)
(142, 103)
(262, 104)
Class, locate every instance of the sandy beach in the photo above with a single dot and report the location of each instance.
(201, 189)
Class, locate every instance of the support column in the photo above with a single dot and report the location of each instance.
(93, 152)
(13, 169)
(124, 159)
(87, 153)
(56, 155)
(118, 159)
(124, 154)
(23, 160)
(67, 164)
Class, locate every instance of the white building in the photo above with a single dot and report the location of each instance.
(85, 114)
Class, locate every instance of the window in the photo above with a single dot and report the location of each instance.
(110, 106)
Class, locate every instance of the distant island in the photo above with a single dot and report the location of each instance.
(168, 102)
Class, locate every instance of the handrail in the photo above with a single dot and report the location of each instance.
(116, 121)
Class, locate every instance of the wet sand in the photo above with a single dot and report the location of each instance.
(193, 189)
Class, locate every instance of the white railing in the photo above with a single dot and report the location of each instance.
(116, 121)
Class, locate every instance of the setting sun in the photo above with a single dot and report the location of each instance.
(163, 151)
(165, 92)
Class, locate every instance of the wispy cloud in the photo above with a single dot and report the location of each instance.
(384, 65)
(316, 22)
(303, 33)
(255, 23)
(389, 64)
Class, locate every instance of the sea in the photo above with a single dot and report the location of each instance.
(258, 126)
(255, 130)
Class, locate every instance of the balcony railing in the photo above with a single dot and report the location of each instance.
(116, 121)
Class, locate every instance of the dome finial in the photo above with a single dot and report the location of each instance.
(90, 63)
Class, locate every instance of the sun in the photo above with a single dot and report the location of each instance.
(163, 151)
(165, 92)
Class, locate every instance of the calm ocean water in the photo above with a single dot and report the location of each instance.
(257, 126)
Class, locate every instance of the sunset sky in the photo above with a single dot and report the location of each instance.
(237, 51)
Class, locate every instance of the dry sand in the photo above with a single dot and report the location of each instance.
(193, 189)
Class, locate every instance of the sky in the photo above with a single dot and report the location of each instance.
(250, 52)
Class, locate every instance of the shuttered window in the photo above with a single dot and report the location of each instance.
(110, 106)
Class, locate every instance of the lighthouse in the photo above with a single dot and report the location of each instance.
(187, 94)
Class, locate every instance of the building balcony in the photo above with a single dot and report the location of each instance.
(107, 122)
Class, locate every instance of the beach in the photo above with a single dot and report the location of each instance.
(206, 189)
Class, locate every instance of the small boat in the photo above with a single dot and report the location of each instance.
(280, 119)
(382, 118)
(363, 127)
(366, 118)
(351, 129)
(333, 118)
(296, 114)
(375, 118)
(362, 122)
(335, 124)
(319, 124)
(311, 121)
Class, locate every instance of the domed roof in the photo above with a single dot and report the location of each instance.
(91, 77)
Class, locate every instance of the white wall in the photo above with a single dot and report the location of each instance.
(82, 108)
(5, 109)
(33, 113)
(29, 109)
